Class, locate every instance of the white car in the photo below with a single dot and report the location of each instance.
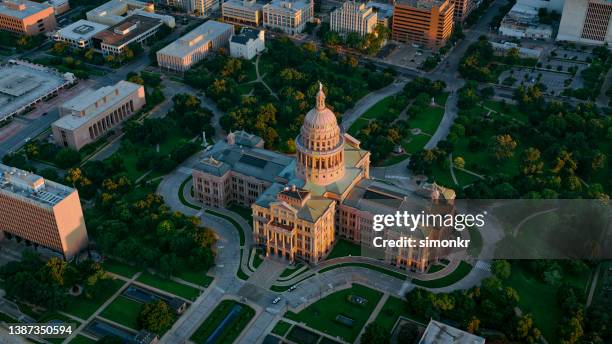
(292, 288)
(276, 300)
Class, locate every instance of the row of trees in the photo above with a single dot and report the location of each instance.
(369, 44)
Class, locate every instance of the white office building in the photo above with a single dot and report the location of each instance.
(188, 50)
(586, 21)
(248, 43)
(79, 34)
(288, 16)
(115, 11)
(353, 17)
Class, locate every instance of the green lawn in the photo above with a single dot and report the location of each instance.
(378, 109)
(232, 221)
(507, 110)
(281, 328)
(169, 286)
(359, 124)
(290, 270)
(391, 311)
(257, 259)
(82, 340)
(441, 98)
(244, 212)
(83, 307)
(182, 195)
(344, 248)
(367, 266)
(461, 271)
(119, 268)
(232, 329)
(428, 120)
(321, 315)
(123, 311)
(195, 277)
(415, 143)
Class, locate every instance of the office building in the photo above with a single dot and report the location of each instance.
(353, 17)
(134, 29)
(242, 12)
(586, 21)
(248, 43)
(204, 7)
(116, 11)
(41, 212)
(384, 12)
(26, 17)
(523, 21)
(289, 16)
(188, 50)
(549, 5)
(24, 84)
(440, 333)
(424, 22)
(59, 6)
(463, 8)
(93, 113)
(301, 205)
(79, 34)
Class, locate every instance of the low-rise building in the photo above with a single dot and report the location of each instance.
(440, 333)
(243, 12)
(133, 29)
(502, 49)
(93, 113)
(204, 7)
(384, 12)
(248, 43)
(353, 17)
(41, 212)
(289, 16)
(80, 33)
(522, 21)
(59, 6)
(424, 22)
(186, 51)
(116, 11)
(587, 22)
(26, 17)
(24, 84)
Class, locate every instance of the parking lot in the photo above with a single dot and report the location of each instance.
(407, 55)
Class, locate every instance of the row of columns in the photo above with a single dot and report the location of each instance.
(110, 120)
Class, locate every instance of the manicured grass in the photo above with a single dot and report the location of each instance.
(378, 109)
(257, 259)
(182, 195)
(281, 328)
(507, 109)
(391, 311)
(83, 307)
(461, 271)
(441, 98)
(195, 277)
(245, 213)
(344, 248)
(232, 221)
(81, 340)
(123, 311)
(321, 315)
(301, 335)
(119, 268)
(435, 268)
(394, 159)
(427, 120)
(415, 143)
(169, 286)
(232, 329)
(290, 270)
(367, 266)
(359, 124)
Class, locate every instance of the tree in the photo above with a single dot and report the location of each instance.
(503, 146)
(459, 162)
(156, 317)
(501, 269)
(531, 163)
(67, 157)
(375, 334)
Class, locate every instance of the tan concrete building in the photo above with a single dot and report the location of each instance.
(586, 21)
(300, 206)
(353, 17)
(92, 114)
(289, 16)
(134, 29)
(424, 22)
(188, 50)
(41, 212)
(242, 12)
(26, 17)
(463, 8)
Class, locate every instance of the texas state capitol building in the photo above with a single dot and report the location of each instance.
(300, 205)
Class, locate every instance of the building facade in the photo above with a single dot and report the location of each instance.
(188, 50)
(92, 114)
(353, 17)
(41, 212)
(463, 8)
(79, 34)
(26, 17)
(289, 16)
(204, 7)
(423, 22)
(522, 21)
(248, 43)
(116, 11)
(134, 29)
(242, 12)
(302, 205)
(586, 21)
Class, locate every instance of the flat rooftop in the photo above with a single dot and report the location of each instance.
(21, 8)
(196, 38)
(31, 187)
(439, 333)
(82, 29)
(246, 35)
(127, 29)
(421, 4)
(21, 83)
(115, 9)
(244, 4)
(86, 102)
(288, 5)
